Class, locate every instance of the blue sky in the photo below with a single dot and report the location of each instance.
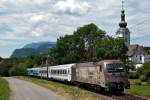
(26, 21)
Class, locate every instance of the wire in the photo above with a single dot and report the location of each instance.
(140, 23)
(141, 37)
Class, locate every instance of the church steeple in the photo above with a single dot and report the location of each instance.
(123, 23)
(123, 31)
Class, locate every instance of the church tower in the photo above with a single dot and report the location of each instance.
(123, 31)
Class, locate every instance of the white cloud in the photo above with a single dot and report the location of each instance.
(35, 34)
(38, 18)
(72, 7)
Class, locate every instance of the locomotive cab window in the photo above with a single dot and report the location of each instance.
(115, 68)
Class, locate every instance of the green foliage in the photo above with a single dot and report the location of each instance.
(17, 66)
(4, 90)
(145, 71)
(141, 90)
(143, 78)
(5, 65)
(138, 83)
(88, 43)
(133, 75)
(148, 81)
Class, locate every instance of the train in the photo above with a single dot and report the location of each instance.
(107, 74)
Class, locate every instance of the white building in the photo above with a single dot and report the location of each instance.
(137, 55)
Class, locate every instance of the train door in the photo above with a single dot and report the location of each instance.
(73, 73)
(101, 76)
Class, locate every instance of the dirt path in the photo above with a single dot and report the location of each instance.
(22, 90)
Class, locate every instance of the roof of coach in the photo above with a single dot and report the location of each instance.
(62, 66)
(33, 68)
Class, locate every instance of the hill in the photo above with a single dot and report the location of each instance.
(33, 49)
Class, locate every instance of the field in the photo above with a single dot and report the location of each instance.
(70, 92)
(4, 90)
(141, 90)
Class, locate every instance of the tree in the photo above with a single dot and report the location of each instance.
(85, 38)
(88, 43)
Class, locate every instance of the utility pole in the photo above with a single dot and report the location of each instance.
(47, 61)
(41, 72)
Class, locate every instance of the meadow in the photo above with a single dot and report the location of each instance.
(142, 89)
(4, 90)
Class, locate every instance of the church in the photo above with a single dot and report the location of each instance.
(136, 53)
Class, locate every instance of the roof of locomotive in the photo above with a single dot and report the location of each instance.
(94, 64)
(88, 64)
(109, 61)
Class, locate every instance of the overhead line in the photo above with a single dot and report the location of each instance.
(140, 23)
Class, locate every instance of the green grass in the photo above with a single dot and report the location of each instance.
(141, 90)
(70, 92)
(4, 90)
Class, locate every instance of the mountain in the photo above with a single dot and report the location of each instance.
(33, 49)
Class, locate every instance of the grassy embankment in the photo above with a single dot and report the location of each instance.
(70, 92)
(141, 90)
(4, 90)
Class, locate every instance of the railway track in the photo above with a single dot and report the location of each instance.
(107, 96)
(114, 96)
(128, 97)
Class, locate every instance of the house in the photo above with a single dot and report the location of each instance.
(137, 55)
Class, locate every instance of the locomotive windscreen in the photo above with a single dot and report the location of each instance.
(114, 68)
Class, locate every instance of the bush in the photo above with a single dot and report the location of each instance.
(143, 78)
(147, 75)
(133, 75)
(148, 81)
(138, 83)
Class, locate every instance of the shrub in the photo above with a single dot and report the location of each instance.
(148, 81)
(143, 78)
(138, 83)
(133, 75)
(147, 75)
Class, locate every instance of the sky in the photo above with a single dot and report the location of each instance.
(26, 21)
